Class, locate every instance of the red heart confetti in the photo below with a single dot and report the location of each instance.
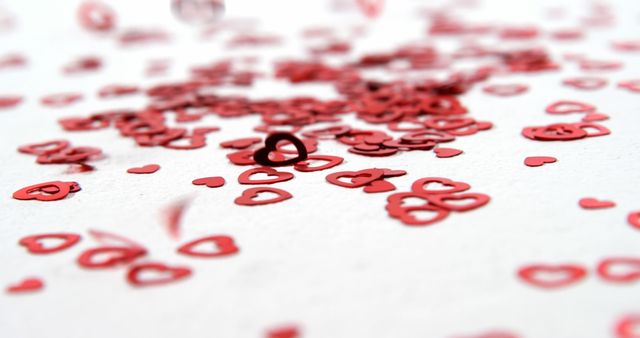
(211, 182)
(552, 276)
(249, 196)
(35, 245)
(537, 161)
(26, 285)
(447, 152)
(163, 274)
(225, 246)
(147, 169)
(592, 203)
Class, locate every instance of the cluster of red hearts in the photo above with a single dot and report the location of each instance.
(60, 152)
(437, 202)
(550, 276)
(569, 131)
(119, 251)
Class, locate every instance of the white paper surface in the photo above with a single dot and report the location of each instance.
(330, 260)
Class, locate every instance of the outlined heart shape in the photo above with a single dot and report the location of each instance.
(56, 190)
(280, 176)
(261, 156)
(164, 274)
(419, 186)
(147, 169)
(332, 161)
(26, 285)
(505, 89)
(630, 269)
(115, 255)
(441, 201)
(224, 244)
(34, 244)
(358, 178)
(568, 107)
(406, 214)
(248, 196)
(585, 83)
(211, 182)
(552, 276)
(537, 161)
(592, 203)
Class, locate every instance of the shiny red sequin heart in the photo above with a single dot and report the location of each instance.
(211, 182)
(249, 196)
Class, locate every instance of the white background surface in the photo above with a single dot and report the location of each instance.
(330, 260)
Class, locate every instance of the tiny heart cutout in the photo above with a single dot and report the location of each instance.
(537, 161)
(53, 191)
(261, 156)
(552, 276)
(211, 182)
(147, 169)
(280, 176)
(26, 285)
(249, 196)
(592, 203)
(619, 269)
(447, 152)
(379, 186)
(357, 178)
(419, 186)
(225, 246)
(156, 274)
(34, 243)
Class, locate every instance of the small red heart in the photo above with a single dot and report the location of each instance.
(34, 245)
(592, 203)
(419, 186)
(211, 182)
(26, 285)
(357, 178)
(284, 332)
(537, 161)
(9, 101)
(163, 274)
(114, 255)
(586, 83)
(619, 269)
(332, 161)
(248, 197)
(280, 176)
(594, 117)
(147, 169)
(552, 276)
(628, 326)
(447, 152)
(379, 186)
(224, 244)
(478, 200)
(241, 143)
(634, 219)
(567, 107)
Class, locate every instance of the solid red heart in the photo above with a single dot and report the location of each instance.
(552, 276)
(505, 89)
(241, 143)
(163, 274)
(634, 219)
(33, 192)
(248, 197)
(280, 176)
(567, 107)
(627, 269)
(242, 157)
(478, 200)
(9, 101)
(357, 178)
(379, 186)
(225, 246)
(34, 243)
(594, 117)
(114, 255)
(332, 161)
(147, 169)
(284, 332)
(592, 203)
(26, 285)
(419, 186)
(536, 161)
(211, 182)
(447, 152)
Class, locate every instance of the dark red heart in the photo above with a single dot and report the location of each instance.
(261, 156)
